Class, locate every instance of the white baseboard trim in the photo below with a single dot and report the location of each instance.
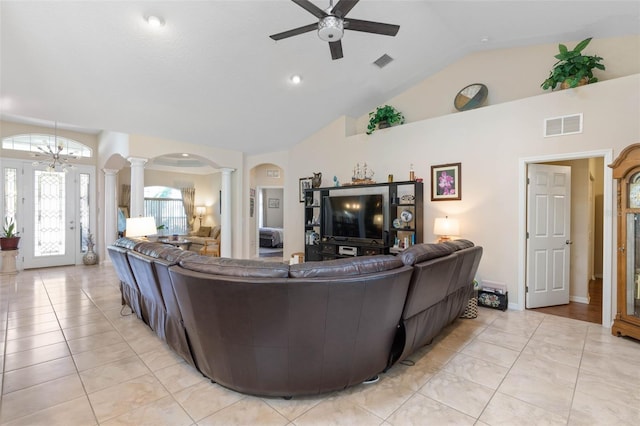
(578, 299)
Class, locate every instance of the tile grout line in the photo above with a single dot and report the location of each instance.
(575, 385)
(153, 373)
(66, 341)
(508, 371)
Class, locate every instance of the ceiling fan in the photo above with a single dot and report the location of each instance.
(332, 23)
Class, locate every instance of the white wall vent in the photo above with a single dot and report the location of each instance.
(565, 125)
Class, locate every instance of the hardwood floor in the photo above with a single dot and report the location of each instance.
(581, 311)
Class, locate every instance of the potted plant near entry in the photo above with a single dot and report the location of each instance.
(384, 116)
(9, 239)
(573, 68)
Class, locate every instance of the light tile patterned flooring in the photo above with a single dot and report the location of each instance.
(69, 358)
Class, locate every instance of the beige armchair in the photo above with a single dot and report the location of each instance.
(204, 240)
(210, 242)
(211, 247)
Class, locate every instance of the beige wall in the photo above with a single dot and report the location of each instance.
(489, 142)
(509, 74)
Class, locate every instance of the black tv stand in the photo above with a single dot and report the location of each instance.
(338, 249)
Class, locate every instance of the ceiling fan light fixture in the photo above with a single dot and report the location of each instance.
(331, 28)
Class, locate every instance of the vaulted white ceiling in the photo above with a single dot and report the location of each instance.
(212, 75)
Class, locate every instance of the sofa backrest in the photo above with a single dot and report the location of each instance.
(235, 267)
(422, 252)
(120, 262)
(208, 232)
(289, 336)
(468, 262)
(429, 284)
(143, 270)
(439, 270)
(345, 267)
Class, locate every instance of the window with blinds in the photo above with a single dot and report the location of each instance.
(165, 205)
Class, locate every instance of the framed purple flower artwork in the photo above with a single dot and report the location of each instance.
(445, 182)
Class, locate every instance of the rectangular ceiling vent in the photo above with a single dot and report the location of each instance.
(565, 125)
(383, 61)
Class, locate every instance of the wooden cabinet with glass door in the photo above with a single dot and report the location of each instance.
(626, 170)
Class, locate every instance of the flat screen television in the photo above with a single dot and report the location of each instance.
(353, 217)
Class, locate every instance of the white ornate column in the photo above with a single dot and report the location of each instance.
(110, 207)
(225, 214)
(136, 206)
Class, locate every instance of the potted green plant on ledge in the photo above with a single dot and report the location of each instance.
(9, 239)
(573, 68)
(384, 116)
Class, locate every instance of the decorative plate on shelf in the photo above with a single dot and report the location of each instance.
(407, 199)
(397, 223)
(406, 216)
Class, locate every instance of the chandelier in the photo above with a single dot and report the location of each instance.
(56, 160)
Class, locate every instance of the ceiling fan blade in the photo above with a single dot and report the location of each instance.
(336, 49)
(294, 32)
(371, 27)
(311, 8)
(343, 7)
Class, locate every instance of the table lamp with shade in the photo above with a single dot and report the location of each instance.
(200, 211)
(141, 227)
(445, 228)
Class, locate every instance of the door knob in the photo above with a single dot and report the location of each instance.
(568, 242)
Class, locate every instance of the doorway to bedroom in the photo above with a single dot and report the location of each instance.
(270, 222)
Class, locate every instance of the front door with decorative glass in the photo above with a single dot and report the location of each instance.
(52, 212)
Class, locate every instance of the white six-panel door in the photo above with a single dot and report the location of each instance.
(548, 235)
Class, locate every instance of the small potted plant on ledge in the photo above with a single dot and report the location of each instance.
(573, 68)
(382, 117)
(9, 239)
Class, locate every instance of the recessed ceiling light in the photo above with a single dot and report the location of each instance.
(295, 79)
(185, 155)
(485, 39)
(155, 21)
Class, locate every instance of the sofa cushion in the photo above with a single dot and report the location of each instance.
(422, 252)
(345, 267)
(127, 243)
(235, 267)
(204, 231)
(162, 251)
(215, 232)
(459, 244)
(152, 249)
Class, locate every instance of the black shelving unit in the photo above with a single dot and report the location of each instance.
(406, 196)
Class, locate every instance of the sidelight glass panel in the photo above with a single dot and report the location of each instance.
(633, 265)
(84, 210)
(11, 194)
(49, 219)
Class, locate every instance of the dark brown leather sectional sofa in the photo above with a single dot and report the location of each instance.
(268, 328)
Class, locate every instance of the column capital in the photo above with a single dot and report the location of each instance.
(137, 161)
(227, 170)
(110, 171)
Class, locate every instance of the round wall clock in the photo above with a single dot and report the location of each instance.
(470, 97)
